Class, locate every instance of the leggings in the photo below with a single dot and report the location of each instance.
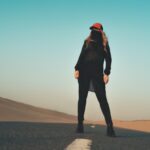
(99, 89)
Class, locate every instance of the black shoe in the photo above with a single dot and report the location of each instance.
(80, 128)
(110, 131)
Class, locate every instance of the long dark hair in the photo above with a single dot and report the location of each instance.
(99, 37)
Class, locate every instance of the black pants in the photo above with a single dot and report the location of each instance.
(99, 88)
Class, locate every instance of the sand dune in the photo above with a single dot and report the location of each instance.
(139, 125)
(15, 111)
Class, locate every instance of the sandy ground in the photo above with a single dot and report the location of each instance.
(15, 111)
(139, 125)
(58, 136)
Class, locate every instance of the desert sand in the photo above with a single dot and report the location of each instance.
(139, 125)
(15, 111)
(11, 110)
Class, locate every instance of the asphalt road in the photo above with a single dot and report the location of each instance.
(53, 136)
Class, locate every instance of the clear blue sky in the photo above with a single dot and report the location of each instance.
(40, 42)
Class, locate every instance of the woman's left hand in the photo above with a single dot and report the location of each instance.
(106, 78)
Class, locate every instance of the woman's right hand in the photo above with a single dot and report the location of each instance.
(76, 74)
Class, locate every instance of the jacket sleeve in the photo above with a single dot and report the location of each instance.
(78, 64)
(108, 59)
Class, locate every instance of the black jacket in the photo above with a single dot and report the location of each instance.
(103, 55)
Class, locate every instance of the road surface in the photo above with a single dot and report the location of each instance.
(56, 136)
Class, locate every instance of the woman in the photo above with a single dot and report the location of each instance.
(89, 72)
